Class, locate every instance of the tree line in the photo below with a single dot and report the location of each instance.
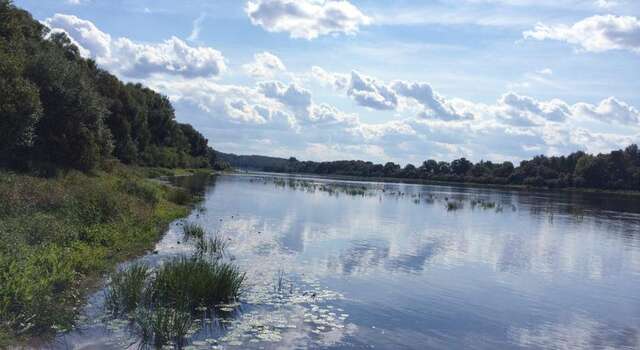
(617, 170)
(59, 110)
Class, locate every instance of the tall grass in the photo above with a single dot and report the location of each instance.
(212, 248)
(192, 230)
(162, 326)
(126, 290)
(58, 233)
(191, 283)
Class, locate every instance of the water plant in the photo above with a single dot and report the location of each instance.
(192, 230)
(126, 290)
(213, 248)
(163, 326)
(454, 205)
(192, 282)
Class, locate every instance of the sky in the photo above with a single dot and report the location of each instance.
(378, 80)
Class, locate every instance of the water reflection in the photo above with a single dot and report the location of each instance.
(394, 266)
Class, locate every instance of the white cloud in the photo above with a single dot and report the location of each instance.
(197, 27)
(594, 34)
(136, 60)
(610, 110)
(306, 19)
(368, 92)
(336, 80)
(433, 105)
(242, 119)
(265, 65)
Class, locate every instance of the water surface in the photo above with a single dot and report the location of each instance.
(350, 265)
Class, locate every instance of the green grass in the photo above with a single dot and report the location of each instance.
(163, 304)
(162, 326)
(192, 230)
(126, 289)
(212, 248)
(58, 235)
(191, 283)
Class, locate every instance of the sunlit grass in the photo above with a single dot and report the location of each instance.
(192, 283)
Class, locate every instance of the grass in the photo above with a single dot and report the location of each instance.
(164, 304)
(192, 230)
(126, 290)
(191, 283)
(162, 326)
(212, 248)
(58, 235)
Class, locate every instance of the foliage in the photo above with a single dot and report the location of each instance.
(60, 111)
(618, 170)
(57, 234)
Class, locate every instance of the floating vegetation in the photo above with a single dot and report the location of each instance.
(454, 205)
(192, 230)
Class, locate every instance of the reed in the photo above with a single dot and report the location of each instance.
(126, 290)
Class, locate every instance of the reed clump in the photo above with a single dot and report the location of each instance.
(163, 304)
(192, 230)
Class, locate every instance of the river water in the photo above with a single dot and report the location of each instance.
(352, 265)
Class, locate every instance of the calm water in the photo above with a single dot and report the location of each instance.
(346, 265)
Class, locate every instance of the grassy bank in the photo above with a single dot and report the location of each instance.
(58, 235)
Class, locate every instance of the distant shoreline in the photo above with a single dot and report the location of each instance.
(521, 188)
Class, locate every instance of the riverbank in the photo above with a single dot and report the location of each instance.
(59, 236)
(526, 188)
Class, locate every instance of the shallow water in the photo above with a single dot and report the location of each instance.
(335, 264)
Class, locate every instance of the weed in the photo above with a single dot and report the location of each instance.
(126, 289)
(192, 230)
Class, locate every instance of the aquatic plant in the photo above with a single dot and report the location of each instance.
(454, 205)
(162, 326)
(126, 290)
(213, 248)
(192, 230)
(191, 283)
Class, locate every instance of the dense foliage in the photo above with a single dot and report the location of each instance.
(618, 170)
(59, 110)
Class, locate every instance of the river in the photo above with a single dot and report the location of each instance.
(357, 265)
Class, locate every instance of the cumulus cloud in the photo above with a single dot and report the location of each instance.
(433, 105)
(594, 34)
(286, 117)
(265, 65)
(368, 92)
(137, 60)
(335, 80)
(306, 19)
(610, 110)
(526, 111)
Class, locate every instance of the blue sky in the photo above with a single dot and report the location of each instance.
(378, 80)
